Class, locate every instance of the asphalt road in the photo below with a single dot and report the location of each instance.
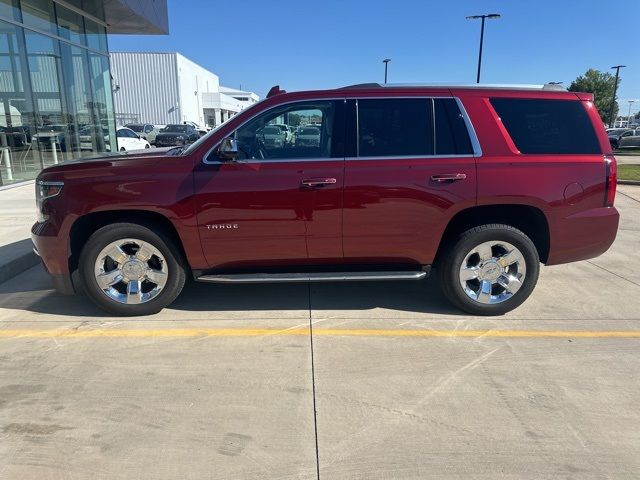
(356, 381)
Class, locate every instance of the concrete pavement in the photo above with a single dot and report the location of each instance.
(17, 214)
(226, 384)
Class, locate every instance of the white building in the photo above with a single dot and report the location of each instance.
(163, 88)
(245, 98)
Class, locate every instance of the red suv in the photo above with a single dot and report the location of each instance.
(376, 183)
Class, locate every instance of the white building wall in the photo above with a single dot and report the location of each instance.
(193, 82)
(163, 88)
(145, 86)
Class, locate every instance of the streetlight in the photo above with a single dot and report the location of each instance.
(631, 102)
(493, 16)
(386, 64)
(615, 90)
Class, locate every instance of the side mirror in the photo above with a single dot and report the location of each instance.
(228, 150)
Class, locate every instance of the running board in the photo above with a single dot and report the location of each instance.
(311, 277)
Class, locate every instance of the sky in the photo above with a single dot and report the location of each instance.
(305, 44)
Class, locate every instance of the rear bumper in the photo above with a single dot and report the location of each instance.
(583, 235)
(54, 255)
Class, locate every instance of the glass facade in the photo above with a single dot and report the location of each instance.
(56, 101)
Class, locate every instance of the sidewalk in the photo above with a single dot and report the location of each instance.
(17, 214)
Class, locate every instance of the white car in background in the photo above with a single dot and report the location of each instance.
(129, 140)
(145, 130)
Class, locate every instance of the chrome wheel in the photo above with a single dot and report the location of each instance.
(131, 271)
(492, 272)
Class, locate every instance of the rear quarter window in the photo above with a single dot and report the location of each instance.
(539, 126)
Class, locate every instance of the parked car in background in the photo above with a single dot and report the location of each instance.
(201, 130)
(396, 180)
(145, 130)
(308, 137)
(176, 135)
(630, 141)
(127, 140)
(615, 134)
(273, 136)
(288, 132)
(89, 134)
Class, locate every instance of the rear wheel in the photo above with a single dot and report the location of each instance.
(127, 269)
(489, 269)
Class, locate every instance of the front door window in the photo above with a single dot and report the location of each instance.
(298, 131)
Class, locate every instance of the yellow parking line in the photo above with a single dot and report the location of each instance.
(329, 332)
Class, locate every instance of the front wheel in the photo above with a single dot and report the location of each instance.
(127, 269)
(489, 269)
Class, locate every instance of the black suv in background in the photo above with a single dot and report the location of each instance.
(176, 135)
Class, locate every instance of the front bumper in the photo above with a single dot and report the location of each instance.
(583, 235)
(53, 253)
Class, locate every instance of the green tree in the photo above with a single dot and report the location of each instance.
(294, 119)
(601, 85)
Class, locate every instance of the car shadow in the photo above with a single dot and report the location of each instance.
(15, 257)
(32, 291)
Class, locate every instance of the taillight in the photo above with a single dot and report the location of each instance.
(611, 170)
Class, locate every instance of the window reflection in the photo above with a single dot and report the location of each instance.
(56, 101)
(39, 14)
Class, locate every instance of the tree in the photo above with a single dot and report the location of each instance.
(601, 85)
(294, 119)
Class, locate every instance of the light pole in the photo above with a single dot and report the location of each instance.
(615, 90)
(493, 16)
(386, 65)
(631, 102)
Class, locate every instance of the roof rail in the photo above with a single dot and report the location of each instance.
(361, 85)
(547, 86)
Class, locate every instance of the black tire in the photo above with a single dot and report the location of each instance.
(110, 233)
(123, 149)
(147, 146)
(448, 267)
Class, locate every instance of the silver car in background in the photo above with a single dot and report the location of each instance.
(308, 137)
(630, 139)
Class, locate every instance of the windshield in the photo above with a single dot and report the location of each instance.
(310, 131)
(272, 131)
(208, 135)
(135, 128)
(617, 131)
(175, 128)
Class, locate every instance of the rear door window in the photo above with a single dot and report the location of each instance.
(541, 126)
(452, 137)
(395, 127)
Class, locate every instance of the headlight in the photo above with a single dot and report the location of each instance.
(45, 190)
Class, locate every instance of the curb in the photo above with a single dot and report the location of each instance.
(18, 265)
(9, 186)
(628, 182)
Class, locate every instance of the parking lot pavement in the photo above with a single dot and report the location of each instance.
(225, 383)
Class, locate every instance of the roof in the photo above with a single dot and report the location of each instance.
(547, 86)
(140, 17)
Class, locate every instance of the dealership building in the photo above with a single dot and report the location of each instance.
(168, 88)
(56, 98)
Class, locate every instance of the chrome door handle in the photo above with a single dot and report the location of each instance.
(318, 182)
(448, 177)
